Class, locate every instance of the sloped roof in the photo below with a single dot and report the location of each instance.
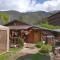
(57, 30)
(3, 27)
(14, 21)
(27, 26)
(20, 27)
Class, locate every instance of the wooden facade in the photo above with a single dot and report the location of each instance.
(4, 39)
(54, 19)
(57, 37)
(30, 34)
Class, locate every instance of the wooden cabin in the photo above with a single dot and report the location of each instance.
(30, 34)
(54, 19)
(4, 39)
(17, 29)
(47, 36)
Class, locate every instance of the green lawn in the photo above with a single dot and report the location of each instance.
(8, 55)
(34, 57)
(40, 57)
(5, 56)
(14, 50)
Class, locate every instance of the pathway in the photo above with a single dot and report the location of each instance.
(27, 50)
(57, 55)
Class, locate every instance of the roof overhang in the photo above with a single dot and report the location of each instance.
(19, 27)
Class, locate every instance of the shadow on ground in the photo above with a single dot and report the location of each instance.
(34, 57)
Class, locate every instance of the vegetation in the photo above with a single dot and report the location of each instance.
(36, 56)
(45, 48)
(4, 17)
(40, 57)
(8, 55)
(46, 25)
(13, 51)
(39, 44)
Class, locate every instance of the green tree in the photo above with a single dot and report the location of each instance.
(4, 17)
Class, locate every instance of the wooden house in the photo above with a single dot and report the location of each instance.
(30, 34)
(54, 19)
(4, 39)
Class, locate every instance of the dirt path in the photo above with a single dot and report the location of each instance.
(24, 52)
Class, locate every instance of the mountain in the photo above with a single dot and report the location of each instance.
(54, 19)
(55, 11)
(35, 17)
(28, 17)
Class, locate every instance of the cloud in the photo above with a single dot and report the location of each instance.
(29, 5)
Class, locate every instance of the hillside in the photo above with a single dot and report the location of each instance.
(54, 19)
(28, 17)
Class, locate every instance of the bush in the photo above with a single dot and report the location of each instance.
(45, 48)
(39, 44)
(49, 47)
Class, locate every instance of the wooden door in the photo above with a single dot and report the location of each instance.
(37, 36)
(31, 36)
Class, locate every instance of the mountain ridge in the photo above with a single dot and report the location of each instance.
(27, 17)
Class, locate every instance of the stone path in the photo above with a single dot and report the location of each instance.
(27, 50)
(56, 56)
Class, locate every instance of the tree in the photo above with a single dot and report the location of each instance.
(4, 17)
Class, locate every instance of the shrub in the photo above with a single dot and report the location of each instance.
(49, 47)
(39, 44)
(45, 48)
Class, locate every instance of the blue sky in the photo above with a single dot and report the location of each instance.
(29, 5)
(40, 1)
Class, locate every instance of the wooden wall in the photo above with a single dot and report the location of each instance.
(37, 36)
(3, 41)
(34, 36)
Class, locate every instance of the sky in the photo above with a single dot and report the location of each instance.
(30, 5)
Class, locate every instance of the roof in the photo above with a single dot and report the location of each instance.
(20, 27)
(52, 30)
(50, 36)
(27, 26)
(14, 21)
(3, 27)
(57, 30)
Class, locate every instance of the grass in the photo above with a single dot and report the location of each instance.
(14, 50)
(40, 57)
(48, 26)
(5, 56)
(37, 56)
(8, 55)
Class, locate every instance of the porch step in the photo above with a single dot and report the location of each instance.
(29, 45)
